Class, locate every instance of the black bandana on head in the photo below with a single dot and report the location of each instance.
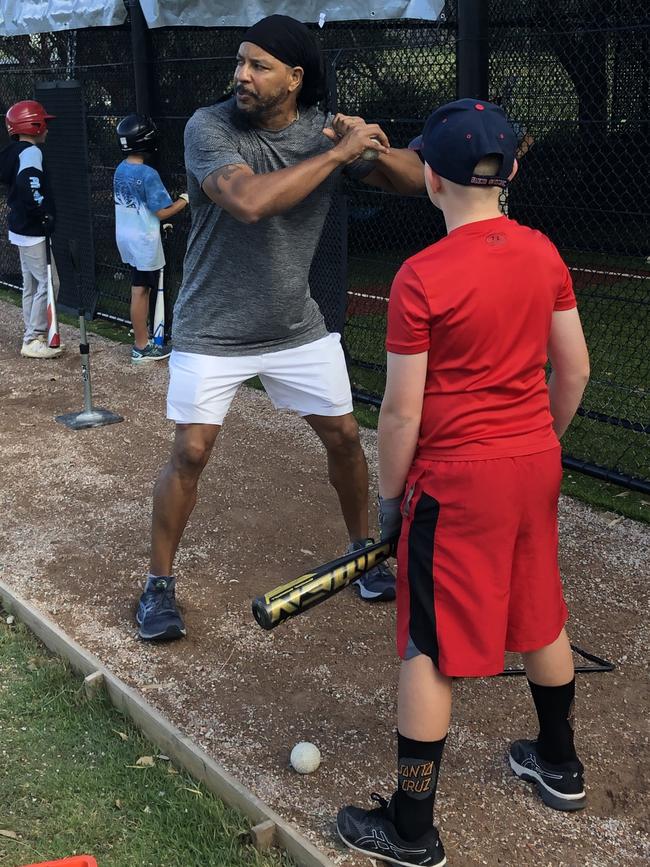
(291, 42)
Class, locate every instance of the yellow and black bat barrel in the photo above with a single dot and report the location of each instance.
(310, 589)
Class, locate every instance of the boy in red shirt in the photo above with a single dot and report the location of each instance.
(469, 465)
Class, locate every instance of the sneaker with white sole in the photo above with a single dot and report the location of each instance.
(157, 616)
(560, 786)
(38, 349)
(378, 584)
(151, 352)
(373, 833)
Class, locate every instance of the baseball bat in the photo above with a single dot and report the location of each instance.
(315, 587)
(53, 338)
(159, 312)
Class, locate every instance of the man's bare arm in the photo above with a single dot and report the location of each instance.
(251, 197)
(397, 171)
(401, 171)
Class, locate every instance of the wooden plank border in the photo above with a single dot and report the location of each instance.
(184, 752)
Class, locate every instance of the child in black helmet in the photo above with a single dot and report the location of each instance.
(141, 202)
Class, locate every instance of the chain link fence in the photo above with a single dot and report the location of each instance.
(572, 76)
(574, 79)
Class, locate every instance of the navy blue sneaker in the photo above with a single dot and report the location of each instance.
(373, 833)
(377, 585)
(157, 615)
(560, 786)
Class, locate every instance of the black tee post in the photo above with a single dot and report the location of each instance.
(472, 50)
(141, 51)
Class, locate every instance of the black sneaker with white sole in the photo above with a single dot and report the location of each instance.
(560, 786)
(378, 584)
(373, 833)
(157, 616)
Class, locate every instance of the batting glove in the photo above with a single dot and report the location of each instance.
(47, 221)
(390, 516)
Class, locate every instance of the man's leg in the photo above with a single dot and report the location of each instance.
(348, 474)
(347, 469)
(551, 761)
(173, 502)
(174, 495)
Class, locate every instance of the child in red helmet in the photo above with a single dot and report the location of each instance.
(31, 218)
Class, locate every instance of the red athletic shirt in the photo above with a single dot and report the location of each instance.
(480, 303)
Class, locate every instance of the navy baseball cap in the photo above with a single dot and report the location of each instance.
(460, 134)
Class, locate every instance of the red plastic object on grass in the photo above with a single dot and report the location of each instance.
(77, 861)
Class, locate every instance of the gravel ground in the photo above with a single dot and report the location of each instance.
(74, 542)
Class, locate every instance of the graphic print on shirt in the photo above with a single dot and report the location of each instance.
(139, 194)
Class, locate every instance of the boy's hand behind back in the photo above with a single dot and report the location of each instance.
(390, 516)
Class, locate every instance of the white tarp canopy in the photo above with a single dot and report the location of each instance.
(42, 16)
(226, 13)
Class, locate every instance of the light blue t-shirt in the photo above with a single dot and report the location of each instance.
(139, 193)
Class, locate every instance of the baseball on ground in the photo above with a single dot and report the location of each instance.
(305, 757)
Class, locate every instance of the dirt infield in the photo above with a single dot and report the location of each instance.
(74, 540)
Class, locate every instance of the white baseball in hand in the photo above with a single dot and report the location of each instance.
(370, 153)
(184, 196)
(305, 757)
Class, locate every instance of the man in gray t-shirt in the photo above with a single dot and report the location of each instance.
(262, 168)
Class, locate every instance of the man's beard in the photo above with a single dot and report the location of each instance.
(259, 108)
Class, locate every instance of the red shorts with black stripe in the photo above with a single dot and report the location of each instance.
(478, 561)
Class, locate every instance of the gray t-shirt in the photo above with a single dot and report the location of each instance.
(245, 286)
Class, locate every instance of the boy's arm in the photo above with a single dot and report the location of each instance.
(32, 188)
(399, 170)
(250, 197)
(158, 200)
(173, 209)
(567, 352)
(399, 420)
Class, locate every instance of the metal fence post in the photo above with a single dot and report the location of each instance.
(472, 49)
(141, 51)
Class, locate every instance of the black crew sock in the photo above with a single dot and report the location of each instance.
(554, 705)
(418, 764)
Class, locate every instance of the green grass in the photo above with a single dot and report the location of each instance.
(607, 497)
(601, 495)
(616, 322)
(103, 327)
(71, 783)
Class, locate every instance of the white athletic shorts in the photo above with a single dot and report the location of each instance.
(310, 380)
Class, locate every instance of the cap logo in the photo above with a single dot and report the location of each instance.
(479, 107)
(468, 136)
(444, 120)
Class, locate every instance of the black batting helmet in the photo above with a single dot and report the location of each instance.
(137, 134)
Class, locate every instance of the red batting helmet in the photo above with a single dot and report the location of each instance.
(27, 118)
